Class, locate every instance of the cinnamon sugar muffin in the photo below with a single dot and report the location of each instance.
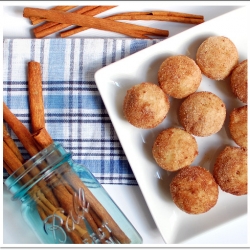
(230, 170)
(202, 113)
(145, 105)
(217, 56)
(194, 190)
(174, 148)
(239, 81)
(179, 76)
(238, 126)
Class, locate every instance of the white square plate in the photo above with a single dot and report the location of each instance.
(115, 79)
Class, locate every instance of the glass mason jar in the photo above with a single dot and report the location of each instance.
(62, 208)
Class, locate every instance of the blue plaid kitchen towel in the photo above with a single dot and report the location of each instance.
(74, 112)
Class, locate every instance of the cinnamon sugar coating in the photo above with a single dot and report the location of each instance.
(194, 190)
(202, 113)
(179, 76)
(217, 56)
(239, 81)
(145, 105)
(174, 148)
(238, 126)
(230, 170)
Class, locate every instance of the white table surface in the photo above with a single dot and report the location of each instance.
(15, 231)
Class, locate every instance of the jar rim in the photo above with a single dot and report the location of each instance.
(13, 181)
(32, 160)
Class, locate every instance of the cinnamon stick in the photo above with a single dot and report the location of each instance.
(20, 130)
(93, 12)
(43, 138)
(7, 168)
(51, 27)
(35, 96)
(92, 22)
(158, 18)
(154, 15)
(12, 145)
(177, 14)
(102, 225)
(36, 20)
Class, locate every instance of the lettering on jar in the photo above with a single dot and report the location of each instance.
(53, 224)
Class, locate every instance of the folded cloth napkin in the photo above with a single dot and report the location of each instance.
(74, 112)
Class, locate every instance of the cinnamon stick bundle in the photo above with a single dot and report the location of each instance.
(146, 16)
(14, 164)
(149, 16)
(65, 197)
(77, 29)
(46, 205)
(132, 30)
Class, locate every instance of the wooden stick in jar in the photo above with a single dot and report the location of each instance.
(65, 200)
(13, 164)
(76, 182)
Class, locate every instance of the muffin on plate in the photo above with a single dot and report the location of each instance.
(202, 113)
(145, 105)
(238, 126)
(179, 76)
(217, 56)
(239, 81)
(194, 190)
(174, 148)
(230, 170)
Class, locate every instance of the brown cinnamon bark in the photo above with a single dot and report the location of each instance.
(20, 130)
(10, 142)
(154, 15)
(14, 164)
(93, 12)
(51, 27)
(35, 96)
(36, 20)
(92, 22)
(40, 191)
(43, 138)
(176, 14)
(175, 19)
